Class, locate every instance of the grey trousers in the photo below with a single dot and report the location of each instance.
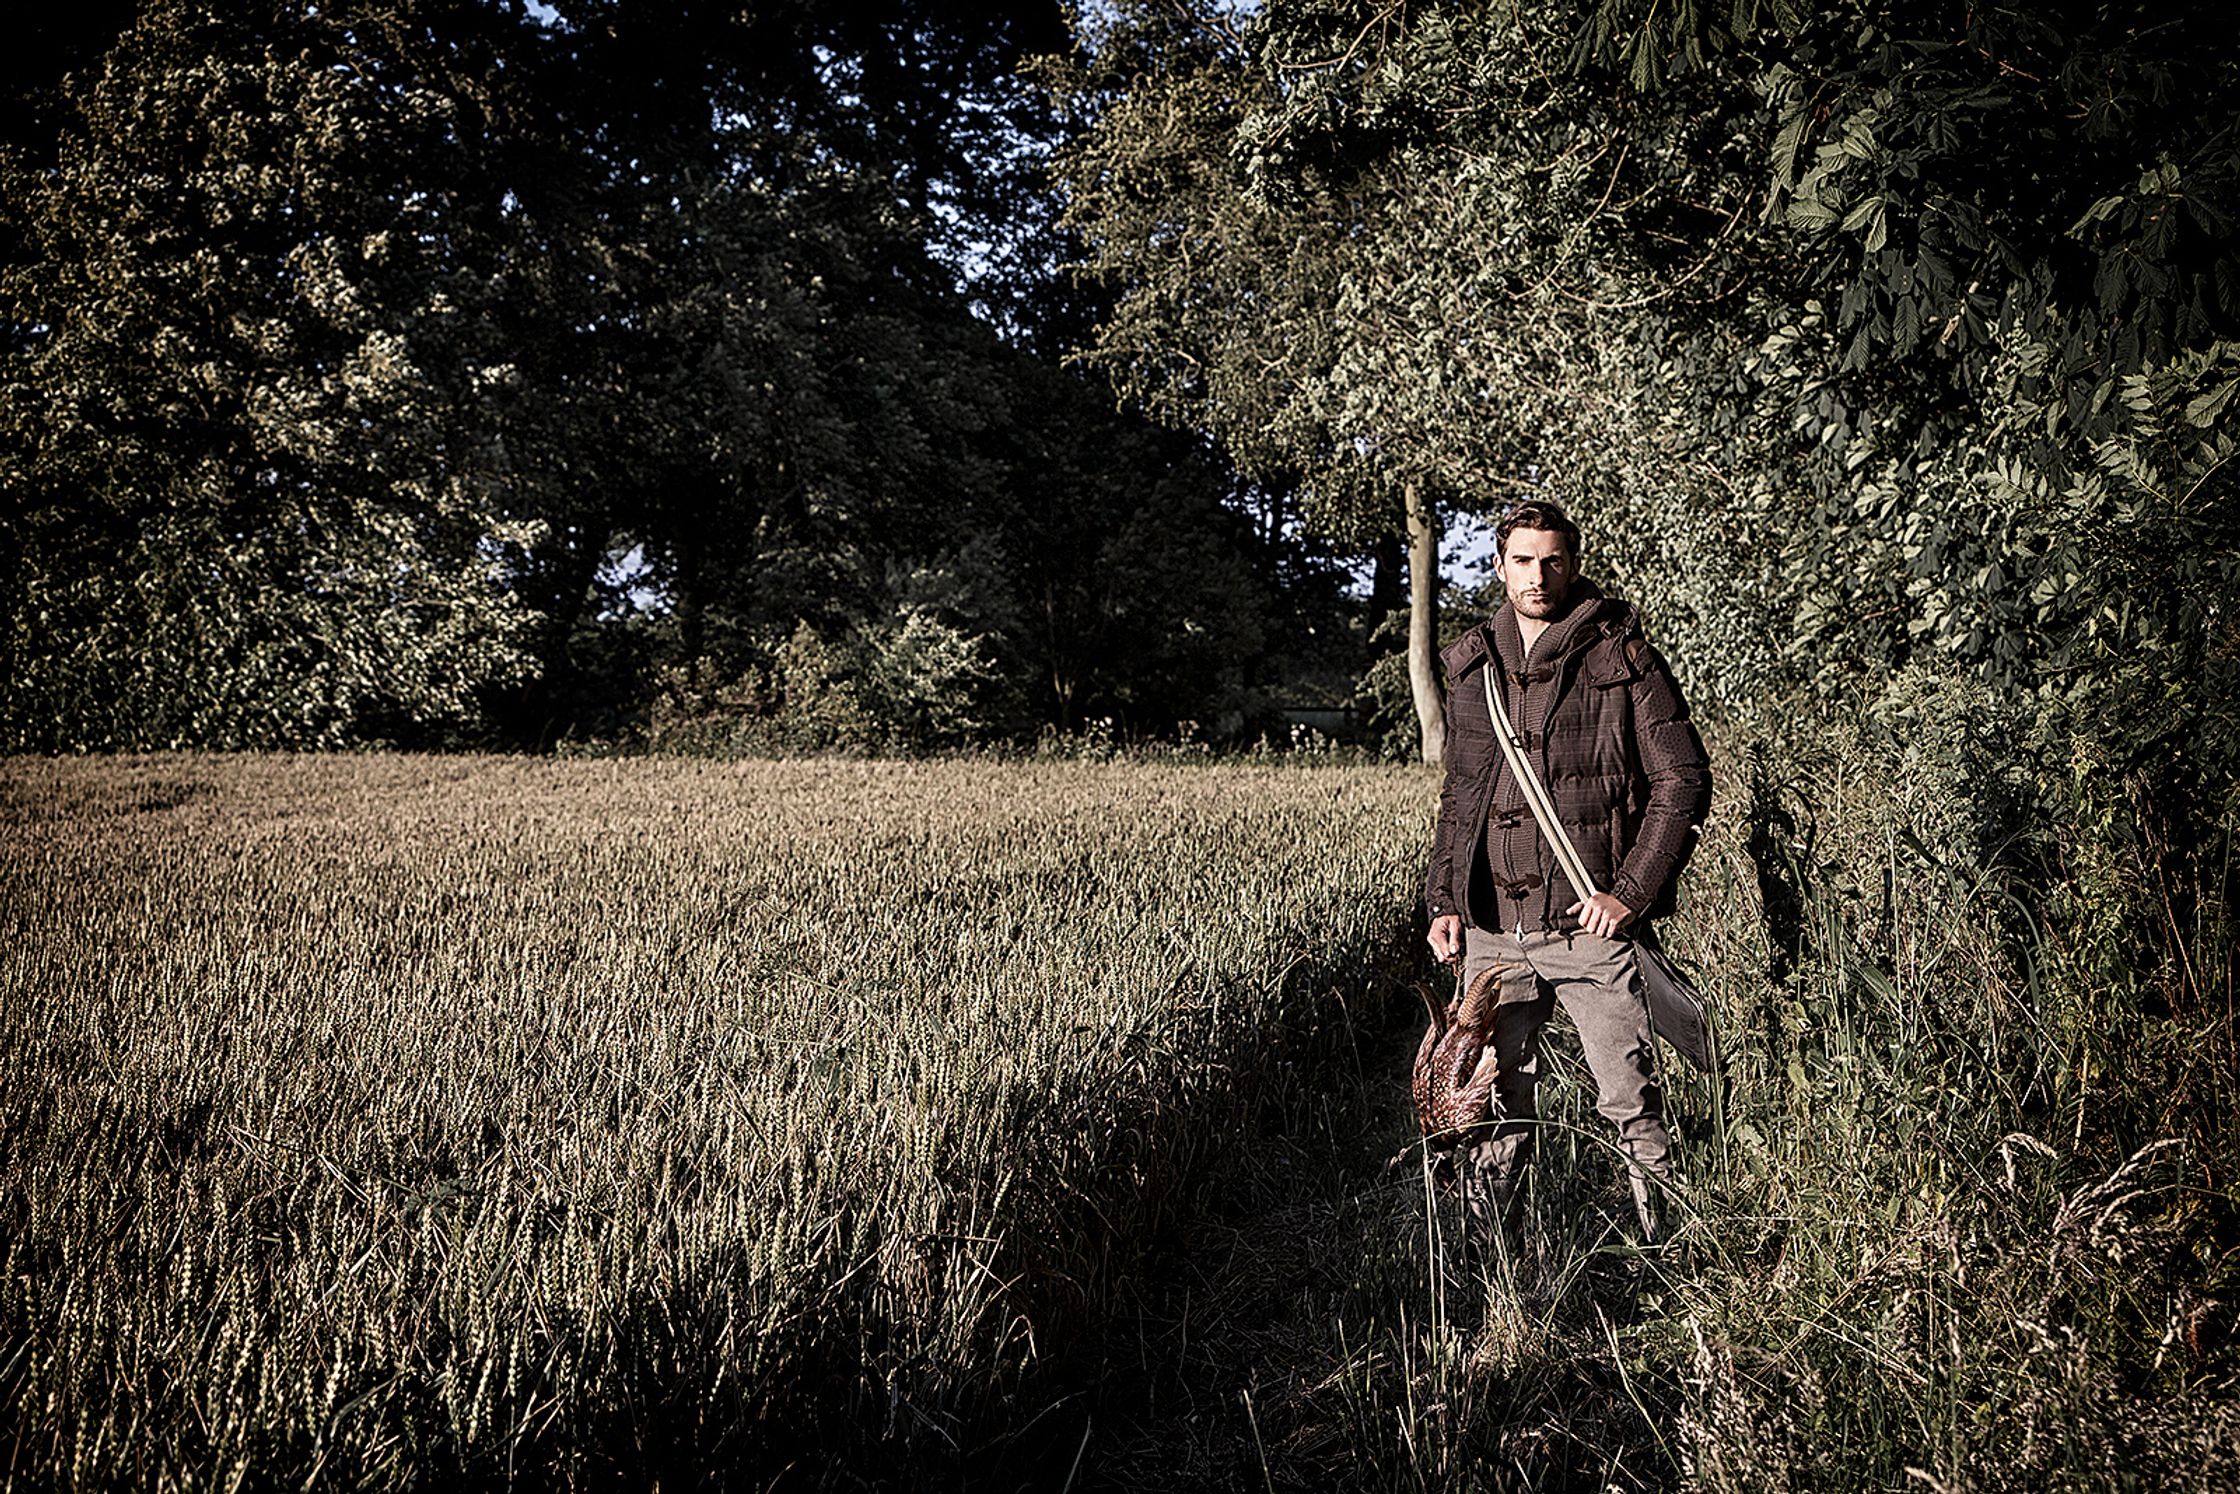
(1599, 985)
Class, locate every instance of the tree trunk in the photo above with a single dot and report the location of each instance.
(1423, 624)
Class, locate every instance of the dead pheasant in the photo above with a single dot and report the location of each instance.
(1456, 1069)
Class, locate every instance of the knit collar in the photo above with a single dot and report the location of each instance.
(1573, 630)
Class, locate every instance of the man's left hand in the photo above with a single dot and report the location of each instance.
(1601, 914)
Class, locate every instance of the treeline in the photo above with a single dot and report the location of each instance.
(441, 371)
(448, 372)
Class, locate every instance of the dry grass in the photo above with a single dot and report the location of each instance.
(372, 1118)
(1009, 1125)
(1962, 1217)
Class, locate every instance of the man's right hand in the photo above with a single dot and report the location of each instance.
(1446, 937)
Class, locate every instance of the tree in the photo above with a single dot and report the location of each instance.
(2013, 338)
(1847, 335)
(250, 475)
(354, 347)
(1311, 266)
(891, 472)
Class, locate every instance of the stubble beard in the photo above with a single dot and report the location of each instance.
(1540, 607)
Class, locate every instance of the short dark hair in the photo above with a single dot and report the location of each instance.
(1537, 514)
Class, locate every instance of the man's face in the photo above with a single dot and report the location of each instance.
(1537, 569)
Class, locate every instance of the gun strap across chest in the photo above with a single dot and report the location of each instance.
(1676, 1007)
(1535, 792)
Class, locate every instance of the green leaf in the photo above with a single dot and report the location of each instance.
(1786, 144)
(2204, 409)
(2094, 214)
(1806, 213)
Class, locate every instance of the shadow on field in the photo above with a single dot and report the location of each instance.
(1223, 1286)
(1315, 1326)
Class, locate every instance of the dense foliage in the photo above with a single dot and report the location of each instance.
(451, 371)
(1878, 337)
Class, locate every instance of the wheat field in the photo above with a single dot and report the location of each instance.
(388, 1121)
(379, 1117)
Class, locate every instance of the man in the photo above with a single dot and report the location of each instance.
(1602, 722)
